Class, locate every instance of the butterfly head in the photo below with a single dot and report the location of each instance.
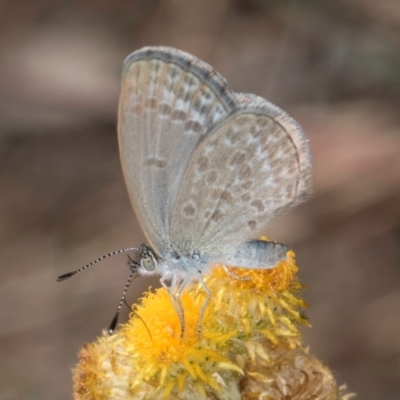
(148, 260)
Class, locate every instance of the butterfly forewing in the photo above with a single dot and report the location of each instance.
(169, 102)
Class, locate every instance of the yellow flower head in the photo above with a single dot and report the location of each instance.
(250, 327)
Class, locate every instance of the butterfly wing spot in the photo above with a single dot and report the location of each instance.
(183, 94)
(246, 185)
(238, 159)
(211, 178)
(254, 149)
(156, 162)
(258, 205)
(217, 216)
(198, 106)
(190, 81)
(217, 114)
(179, 115)
(165, 110)
(155, 67)
(264, 122)
(189, 210)
(202, 164)
(256, 134)
(227, 197)
(193, 126)
(252, 224)
(244, 172)
(205, 94)
(232, 136)
(152, 103)
(174, 71)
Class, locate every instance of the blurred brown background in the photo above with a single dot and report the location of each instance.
(333, 65)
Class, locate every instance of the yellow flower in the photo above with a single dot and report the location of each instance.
(249, 346)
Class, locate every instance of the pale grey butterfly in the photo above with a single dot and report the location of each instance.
(206, 170)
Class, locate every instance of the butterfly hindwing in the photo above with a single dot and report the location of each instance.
(249, 169)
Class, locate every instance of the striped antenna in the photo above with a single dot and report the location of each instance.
(113, 324)
(114, 253)
(133, 265)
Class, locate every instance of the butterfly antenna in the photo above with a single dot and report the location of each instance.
(69, 274)
(134, 266)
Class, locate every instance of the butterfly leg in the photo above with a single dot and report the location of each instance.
(175, 298)
(182, 286)
(204, 306)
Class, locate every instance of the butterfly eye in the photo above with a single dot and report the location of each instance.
(148, 262)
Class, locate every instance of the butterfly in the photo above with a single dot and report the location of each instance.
(206, 169)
